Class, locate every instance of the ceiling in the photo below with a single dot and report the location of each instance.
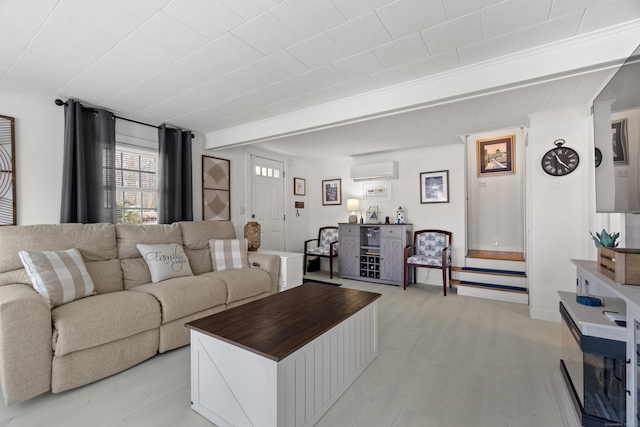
(214, 65)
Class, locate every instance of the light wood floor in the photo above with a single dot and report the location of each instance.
(442, 361)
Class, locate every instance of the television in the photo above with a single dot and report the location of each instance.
(616, 126)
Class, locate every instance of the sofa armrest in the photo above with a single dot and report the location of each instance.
(25, 343)
(269, 263)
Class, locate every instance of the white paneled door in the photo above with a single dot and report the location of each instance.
(267, 205)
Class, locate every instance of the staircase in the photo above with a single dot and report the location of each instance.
(493, 275)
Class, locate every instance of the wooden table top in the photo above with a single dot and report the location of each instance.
(280, 324)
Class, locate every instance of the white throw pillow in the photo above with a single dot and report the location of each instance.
(58, 276)
(165, 261)
(229, 254)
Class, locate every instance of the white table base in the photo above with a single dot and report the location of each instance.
(232, 386)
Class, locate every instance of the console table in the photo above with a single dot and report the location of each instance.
(373, 252)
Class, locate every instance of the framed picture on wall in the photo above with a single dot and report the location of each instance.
(619, 141)
(216, 188)
(332, 192)
(496, 156)
(434, 187)
(299, 187)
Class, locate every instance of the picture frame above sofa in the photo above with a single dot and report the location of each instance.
(216, 188)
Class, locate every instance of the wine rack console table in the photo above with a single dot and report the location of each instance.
(374, 252)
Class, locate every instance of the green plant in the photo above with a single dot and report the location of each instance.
(605, 239)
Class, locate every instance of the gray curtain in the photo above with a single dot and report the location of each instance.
(175, 189)
(88, 176)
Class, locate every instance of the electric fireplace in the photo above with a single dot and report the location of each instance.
(594, 371)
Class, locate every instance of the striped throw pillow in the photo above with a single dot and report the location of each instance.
(228, 254)
(58, 276)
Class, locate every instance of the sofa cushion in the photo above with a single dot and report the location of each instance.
(106, 275)
(58, 276)
(229, 254)
(244, 283)
(165, 261)
(96, 242)
(184, 296)
(135, 272)
(100, 319)
(196, 236)
(128, 236)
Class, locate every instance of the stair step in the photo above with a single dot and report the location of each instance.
(495, 264)
(503, 288)
(487, 291)
(496, 255)
(491, 271)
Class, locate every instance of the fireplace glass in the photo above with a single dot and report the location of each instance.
(594, 370)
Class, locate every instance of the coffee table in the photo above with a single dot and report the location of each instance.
(282, 360)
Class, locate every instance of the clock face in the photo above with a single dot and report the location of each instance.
(598, 157)
(560, 161)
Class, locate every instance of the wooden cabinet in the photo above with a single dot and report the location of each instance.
(374, 252)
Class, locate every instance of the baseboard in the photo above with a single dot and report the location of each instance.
(551, 316)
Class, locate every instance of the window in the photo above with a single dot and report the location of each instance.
(267, 172)
(136, 187)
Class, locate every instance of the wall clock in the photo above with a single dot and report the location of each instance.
(598, 157)
(561, 160)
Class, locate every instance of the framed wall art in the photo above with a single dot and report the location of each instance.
(299, 187)
(216, 189)
(380, 192)
(332, 192)
(496, 156)
(434, 187)
(619, 141)
(7, 172)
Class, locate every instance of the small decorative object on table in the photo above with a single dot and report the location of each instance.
(605, 240)
(353, 205)
(252, 234)
(400, 215)
(373, 215)
(622, 265)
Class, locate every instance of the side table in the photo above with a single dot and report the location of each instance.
(290, 274)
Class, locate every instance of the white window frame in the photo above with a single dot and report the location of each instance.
(126, 148)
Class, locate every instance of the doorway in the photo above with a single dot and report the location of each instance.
(267, 201)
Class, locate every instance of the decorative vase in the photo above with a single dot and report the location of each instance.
(252, 234)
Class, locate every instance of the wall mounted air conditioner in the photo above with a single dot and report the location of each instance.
(384, 171)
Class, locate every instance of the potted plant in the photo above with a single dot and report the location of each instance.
(605, 240)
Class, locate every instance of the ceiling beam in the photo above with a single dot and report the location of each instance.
(579, 55)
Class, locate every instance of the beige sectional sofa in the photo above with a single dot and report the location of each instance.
(129, 320)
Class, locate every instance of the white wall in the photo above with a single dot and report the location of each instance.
(39, 138)
(39, 130)
(240, 157)
(559, 208)
(559, 214)
(496, 203)
(405, 192)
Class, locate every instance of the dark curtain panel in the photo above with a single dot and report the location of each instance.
(88, 176)
(175, 189)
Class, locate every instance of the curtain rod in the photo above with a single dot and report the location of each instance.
(60, 103)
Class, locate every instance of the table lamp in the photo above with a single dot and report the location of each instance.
(353, 205)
